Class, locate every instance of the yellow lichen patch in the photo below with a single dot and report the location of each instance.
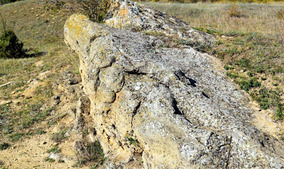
(123, 12)
(73, 25)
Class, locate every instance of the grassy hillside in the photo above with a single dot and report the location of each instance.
(40, 27)
(212, 1)
(39, 94)
(250, 44)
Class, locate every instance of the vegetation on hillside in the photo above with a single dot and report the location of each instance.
(10, 46)
(27, 110)
(6, 1)
(250, 40)
(211, 1)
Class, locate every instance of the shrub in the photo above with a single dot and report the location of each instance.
(279, 112)
(96, 9)
(95, 151)
(259, 69)
(58, 137)
(246, 85)
(227, 67)
(245, 63)
(132, 141)
(250, 74)
(10, 46)
(6, 1)
(234, 11)
(269, 98)
(4, 146)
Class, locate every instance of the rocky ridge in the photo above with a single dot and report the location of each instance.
(160, 107)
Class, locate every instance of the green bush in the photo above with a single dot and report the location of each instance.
(10, 46)
(246, 85)
(6, 1)
(4, 146)
(279, 112)
(95, 9)
(245, 63)
(269, 98)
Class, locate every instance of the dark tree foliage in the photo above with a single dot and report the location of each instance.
(7, 1)
(10, 46)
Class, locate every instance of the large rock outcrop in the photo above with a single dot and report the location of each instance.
(160, 107)
(128, 15)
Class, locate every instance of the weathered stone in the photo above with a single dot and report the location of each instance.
(125, 14)
(174, 108)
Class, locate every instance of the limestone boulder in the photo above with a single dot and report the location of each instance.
(165, 107)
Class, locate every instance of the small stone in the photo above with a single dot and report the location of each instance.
(53, 156)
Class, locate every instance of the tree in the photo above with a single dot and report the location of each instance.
(10, 46)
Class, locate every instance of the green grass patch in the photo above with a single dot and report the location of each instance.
(251, 83)
(53, 150)
(132, 141)
(51, 160)
(16, 136)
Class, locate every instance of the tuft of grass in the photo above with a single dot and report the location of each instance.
(4, 146)
(228, 67)
(61, 161)
(51, 160)
(79, 164)
(269, 98)
(132, 141)
(95, 151)
(60, 136)
(234, 11)
(99, 163)
(93, 154)
(53, 150)
(16, 136)
(251, 83)
(279, 113)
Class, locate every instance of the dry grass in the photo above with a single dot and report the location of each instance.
(40, 28)
(260, 18)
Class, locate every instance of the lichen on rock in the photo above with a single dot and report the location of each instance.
(163, 107)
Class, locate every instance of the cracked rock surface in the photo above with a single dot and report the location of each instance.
(125, 14)
(164, 107)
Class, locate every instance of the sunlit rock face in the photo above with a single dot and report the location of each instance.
(129, 15)
(157, 107)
